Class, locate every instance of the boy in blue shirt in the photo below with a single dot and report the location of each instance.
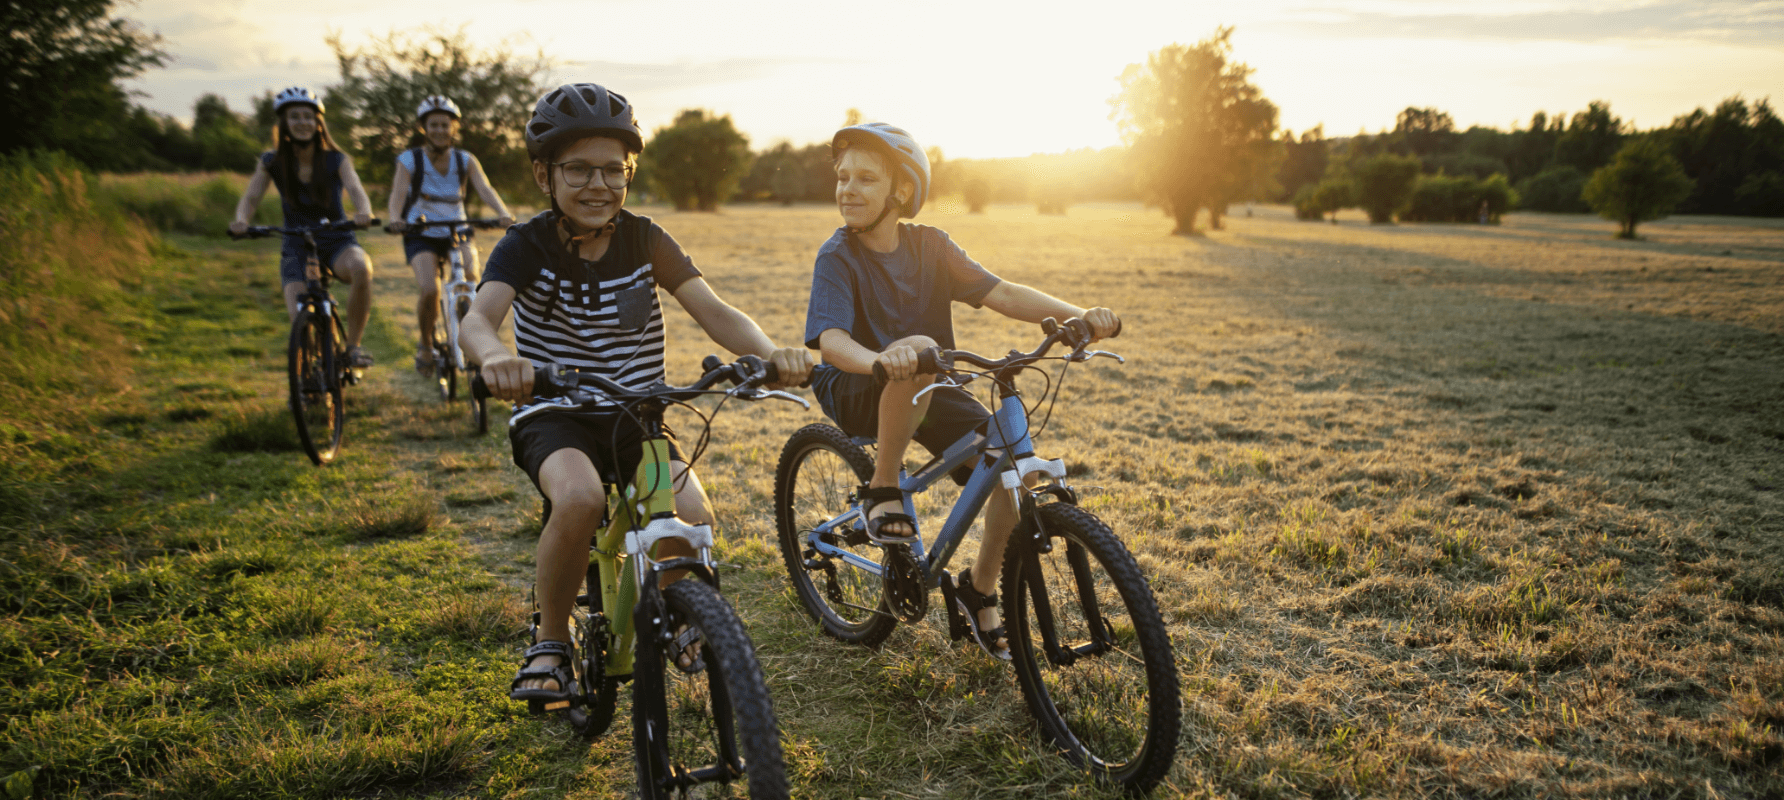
(882, 290)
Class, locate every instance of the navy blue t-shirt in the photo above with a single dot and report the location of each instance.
(879, 298)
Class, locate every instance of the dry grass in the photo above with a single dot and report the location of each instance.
(1434, 510)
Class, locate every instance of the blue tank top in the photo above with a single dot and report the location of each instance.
(302, 209)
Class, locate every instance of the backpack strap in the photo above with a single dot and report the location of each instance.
(464, 174)
(414, 182)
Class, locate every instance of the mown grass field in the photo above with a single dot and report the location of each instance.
(1433, 511)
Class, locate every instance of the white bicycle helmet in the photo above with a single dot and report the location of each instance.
(436, 102)
(297, 95)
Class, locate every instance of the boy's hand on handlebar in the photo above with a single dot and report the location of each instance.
(899, 362)
(793, 366)
(509, 378)
(237, 227)
(1104, 324)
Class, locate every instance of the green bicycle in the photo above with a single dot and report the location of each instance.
(690, 726)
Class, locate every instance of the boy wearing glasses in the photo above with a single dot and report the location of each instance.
(582, 281)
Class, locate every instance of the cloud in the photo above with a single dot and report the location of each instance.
(679, 75)
(1723, 21)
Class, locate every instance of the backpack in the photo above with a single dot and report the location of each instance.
(460, 160)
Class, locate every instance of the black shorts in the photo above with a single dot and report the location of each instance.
(413, 245)
(613, 442)
(853, 401)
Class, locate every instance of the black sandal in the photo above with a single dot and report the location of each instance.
(873, 496)
(564, 673)
(971, 602)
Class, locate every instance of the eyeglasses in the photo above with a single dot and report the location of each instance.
(577, 174)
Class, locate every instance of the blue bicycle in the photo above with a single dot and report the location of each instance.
(1088, 645)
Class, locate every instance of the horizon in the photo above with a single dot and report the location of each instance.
(792, 73)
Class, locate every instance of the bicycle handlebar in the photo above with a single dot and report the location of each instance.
(934, 360)
(485, 224)
(262, 231)
(746, 373)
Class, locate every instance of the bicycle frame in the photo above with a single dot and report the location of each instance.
(453, 271)
(636, 525)
(1007, 431)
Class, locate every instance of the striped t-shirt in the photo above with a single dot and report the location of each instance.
(594, 316)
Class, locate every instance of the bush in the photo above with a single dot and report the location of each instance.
(1554, 189)
(1442, 198)
(201, 204)
(1384, 185)
(1314, 201)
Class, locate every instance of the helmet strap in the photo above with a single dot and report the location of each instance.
(857, 229)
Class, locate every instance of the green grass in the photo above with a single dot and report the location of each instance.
(1386, 572)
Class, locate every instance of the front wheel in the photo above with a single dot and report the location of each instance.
(818, 469)
(1089, 647)
(316, 402)
(707, 731)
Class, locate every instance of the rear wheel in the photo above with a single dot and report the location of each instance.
(313, 363)
(819, 468)
(707, 730)
(1089, 648)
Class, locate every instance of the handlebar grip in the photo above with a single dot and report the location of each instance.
(926, 364)
(543, 385)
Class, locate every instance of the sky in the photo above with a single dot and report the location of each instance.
(993, 79)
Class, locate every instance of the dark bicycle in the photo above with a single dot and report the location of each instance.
(316, 357)
(456, 293)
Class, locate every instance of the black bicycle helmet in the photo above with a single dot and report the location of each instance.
(575, 110)
(910, 156)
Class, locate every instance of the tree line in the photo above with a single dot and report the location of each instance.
(1198, 136)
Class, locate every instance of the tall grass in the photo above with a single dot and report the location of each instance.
(66, 253)
(200, 203)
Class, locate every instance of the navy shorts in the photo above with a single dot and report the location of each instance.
(853, 401)
(414, 245)
(612, 442)
(329, 246)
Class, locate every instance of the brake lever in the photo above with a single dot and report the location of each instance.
(938, 384)
(1090, 354)
(774, 394)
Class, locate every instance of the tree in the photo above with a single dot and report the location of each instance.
(1425, 132)
(1303, 161)
(1591, 140)
(373, 107)
(1554, 189)
(1384, 184)
(61, 62)
(222, 136)
(1199, 132)
(1722, 150)
(698, 160)
(1643, 182)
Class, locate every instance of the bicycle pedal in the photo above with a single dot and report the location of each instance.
(557, 706)
(958, 627)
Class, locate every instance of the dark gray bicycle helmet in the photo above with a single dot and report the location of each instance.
(575, 110)
(911, 158)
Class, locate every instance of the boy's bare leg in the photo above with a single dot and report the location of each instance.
(1000, 520)
(898, 422)
(569, 480)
